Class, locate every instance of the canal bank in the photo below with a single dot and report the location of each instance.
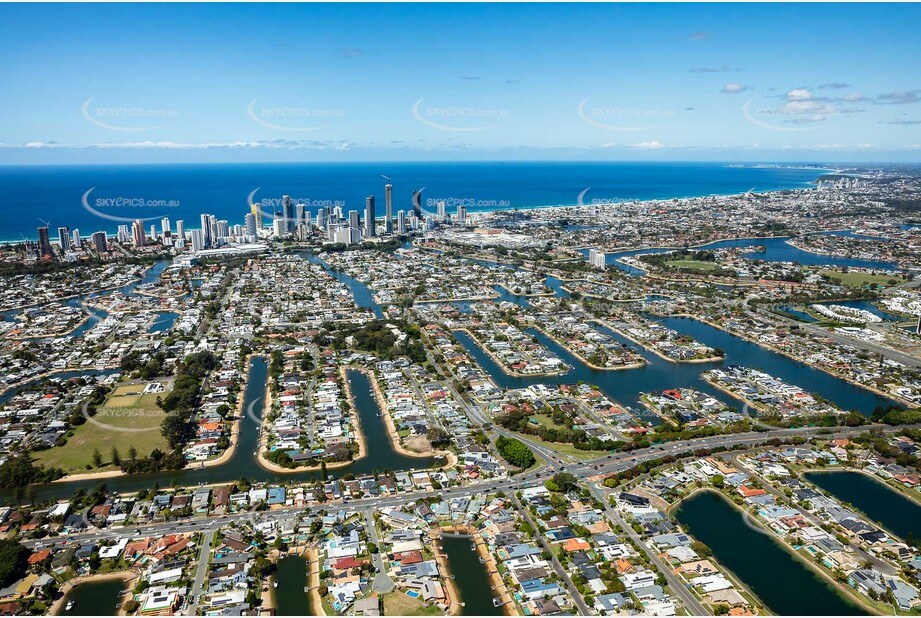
(96, 595)
(476, 576)
(782, 581)
(291, 595)
(900, 515)
(244, 462)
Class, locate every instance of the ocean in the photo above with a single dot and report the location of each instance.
(99, 197)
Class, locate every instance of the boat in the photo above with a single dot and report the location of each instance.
(69, 606)
(275, 584)
(482, 560)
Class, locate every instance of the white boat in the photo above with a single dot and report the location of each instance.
(69, 606)
(275, 584)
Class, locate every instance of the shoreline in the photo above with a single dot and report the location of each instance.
(846, 592)
(126, 576)
(452, 592)
(492, 569)
(582, 360)
(649, 348)
(502, 366)
(237, 423)
(392, 432)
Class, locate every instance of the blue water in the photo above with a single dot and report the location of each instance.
(55, 193)
(775, 250)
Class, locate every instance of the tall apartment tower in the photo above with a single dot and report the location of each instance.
(44, 242)
(369, 216)
(417, 203)
(388, 208)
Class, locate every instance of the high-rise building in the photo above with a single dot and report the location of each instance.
(307, 220)
(354, 219)
(401, 222)
(137, 234)
(257, 212)
(64, 239)
(44, 243)
(442, 214)
(223, 229)
(250, 224)
(597, 259)
(288, 213)
(369, 216)
(77, 242)
(279, 229)
(206, 231)
(164, 223)
(100, 242)
(388, 208)
(123, 234)
(198, 240)
(321, 219)
(417, 203)
(462, 215)
(299, 211)
(180, 229)
(153, 232)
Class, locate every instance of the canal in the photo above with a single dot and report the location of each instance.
(625, 386)
(380, 454)
(291, 596)
(95, 599)
(470, 576)
(774, 250)
(780, 580)
(896, 513)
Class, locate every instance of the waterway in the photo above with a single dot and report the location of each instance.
(470, 576)
(866, 305)
(95, 599)
(775, 250)
(626, 386)
(780, 580)
(291, 598)
(364, 297)
(244, 464)
(894, 512)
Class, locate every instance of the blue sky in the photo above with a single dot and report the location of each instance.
(235, 82)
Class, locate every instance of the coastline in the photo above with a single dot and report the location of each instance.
(791, 185)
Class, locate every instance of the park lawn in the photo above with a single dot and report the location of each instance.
(857, 279)
(696, 264)
(139, 413)
(398, 603)
(559, 447)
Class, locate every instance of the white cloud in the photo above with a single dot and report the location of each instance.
(651, 145)
(732, 88)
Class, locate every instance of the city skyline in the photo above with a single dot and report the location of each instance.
(146, 83)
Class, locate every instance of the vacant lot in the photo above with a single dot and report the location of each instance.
(127, 419)
(861, 280)
(398, 603)
(695, 264)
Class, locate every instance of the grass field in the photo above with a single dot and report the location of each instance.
(860, 279)
(126, 419)
(696, 264)
(398, 603)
